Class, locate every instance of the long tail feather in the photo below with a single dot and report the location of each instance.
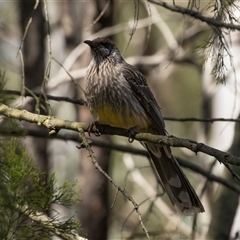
(176, 184)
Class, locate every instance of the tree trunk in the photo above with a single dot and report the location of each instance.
(225, 206)
(33, 55)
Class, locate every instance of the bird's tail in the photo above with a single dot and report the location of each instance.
(176, 184)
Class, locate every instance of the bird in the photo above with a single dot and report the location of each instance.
(118, 95)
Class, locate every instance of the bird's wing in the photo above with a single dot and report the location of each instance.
(145, 97)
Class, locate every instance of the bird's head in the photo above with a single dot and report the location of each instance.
(104, 49)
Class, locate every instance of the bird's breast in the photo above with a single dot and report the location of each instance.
(112, 102)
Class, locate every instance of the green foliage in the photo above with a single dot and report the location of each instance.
(220, 40)
(27, 194)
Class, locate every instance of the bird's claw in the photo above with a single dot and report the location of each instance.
(90, 128)
(132, 132)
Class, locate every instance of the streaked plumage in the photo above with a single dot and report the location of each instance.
(118, 95)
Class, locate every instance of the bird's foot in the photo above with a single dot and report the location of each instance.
(90, 128)
(132, 132)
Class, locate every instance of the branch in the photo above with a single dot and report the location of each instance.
(48, 223)
(49, 97)
(211, 177)
(151, 193)
(84, 103)
(85, 144)
(71, 136)
(197, 15)
(173, 141)
(49, 122)
(54, 125)
(118, 147)
(194, 119)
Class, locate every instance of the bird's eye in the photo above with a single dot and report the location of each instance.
(106, 50)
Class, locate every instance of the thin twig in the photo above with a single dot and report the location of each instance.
(197, 15)
(148, 189)
(209, 175)
(49, 61)
(22, 42)
(76, 53)
(99, 16)
(49, 97)
(115, 198)
(85, 144)
(194, 119)
(28, 25)
(234, 174)
(82, 102)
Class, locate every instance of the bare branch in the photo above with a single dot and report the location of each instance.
(194, 119)
(84, 103)
(118, 147)
(147, 188)
(99, 15)
(49, 97)
(22, 42)
(54, 125)
(209, 175)
(85, 144)
(197, 15)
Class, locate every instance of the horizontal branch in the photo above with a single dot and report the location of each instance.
(119, 147)
(49, 97)
(211, 177)
(71, 136)
(54, 125)
(194, 119)
(49, 122)
(82, 102)
(113, 146)
(197, 15)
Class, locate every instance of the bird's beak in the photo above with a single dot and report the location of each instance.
(89, 43)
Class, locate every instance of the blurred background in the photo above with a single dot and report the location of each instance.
(179, 56)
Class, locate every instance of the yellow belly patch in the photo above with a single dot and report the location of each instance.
(107, 115)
